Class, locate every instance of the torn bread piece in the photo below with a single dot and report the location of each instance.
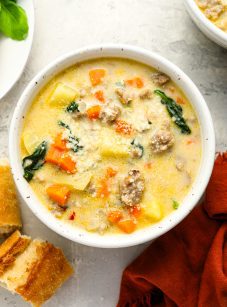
(10, 218)
(37, 272)
(11, 248)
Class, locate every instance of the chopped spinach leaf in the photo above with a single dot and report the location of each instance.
(62, 124)
(175, 204)
(73, 107)
(35, 161)
(74, 141)
(175, 111)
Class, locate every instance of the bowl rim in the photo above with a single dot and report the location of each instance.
(205, 25)
(151, 59)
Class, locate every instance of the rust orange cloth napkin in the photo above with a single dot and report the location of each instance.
(186, 267)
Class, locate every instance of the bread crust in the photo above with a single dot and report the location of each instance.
(10, 218)
(11, 248)
(46, 275)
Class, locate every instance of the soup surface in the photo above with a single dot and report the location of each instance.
(216, 11)
(111, 145)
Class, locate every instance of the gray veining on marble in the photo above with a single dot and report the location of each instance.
(162, 26)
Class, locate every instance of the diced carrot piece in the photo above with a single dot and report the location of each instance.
(180, 100)
(58, 193)
(96, 76)
(135, 211)
(135, 82)
(114, 216)
(100, 96)
(127, 226)
(110, 172)
(123, 127)
(67, 164)
(59, 142)
(61, 159)
(103, 191)
(93, 112)
(53, 155)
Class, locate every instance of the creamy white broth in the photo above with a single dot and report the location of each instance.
(215, 11)
(166, 176)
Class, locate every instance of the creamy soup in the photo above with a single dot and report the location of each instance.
(111, 145)
(216, 11)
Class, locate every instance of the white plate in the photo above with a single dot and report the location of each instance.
(14, 54)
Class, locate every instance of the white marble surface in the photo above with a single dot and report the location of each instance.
(162, 26)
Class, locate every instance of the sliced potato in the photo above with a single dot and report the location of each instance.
(62, 95)
(77, 182)
(152, 210)
(50, 174)
(31, 141)
(112, 145)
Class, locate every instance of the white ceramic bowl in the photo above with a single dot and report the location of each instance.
(205, 25)
(143, 235)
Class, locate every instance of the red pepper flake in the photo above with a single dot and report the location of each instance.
(72, 216)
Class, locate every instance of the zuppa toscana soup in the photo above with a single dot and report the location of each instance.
(216, 11)
(111, 145)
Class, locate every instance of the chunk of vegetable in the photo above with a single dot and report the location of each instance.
(152, 210)
(61, 159)
(73, 181)
(114, 216)
(30, 140)
(77, 182)
(94, 112)
(127, 225)
(62, 95)
(100, 96)
(113, 145)
(96, 76)
(112, 149)
(60, 143)
(53, 155)
(58, 193)
(67, 164)
(135, 82)
(123, 127)
(110, 172)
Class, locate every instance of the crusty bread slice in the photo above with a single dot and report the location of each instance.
(10, 219)
(11, 248)
(37, 272)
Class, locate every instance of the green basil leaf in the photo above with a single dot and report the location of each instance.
(13, 20)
